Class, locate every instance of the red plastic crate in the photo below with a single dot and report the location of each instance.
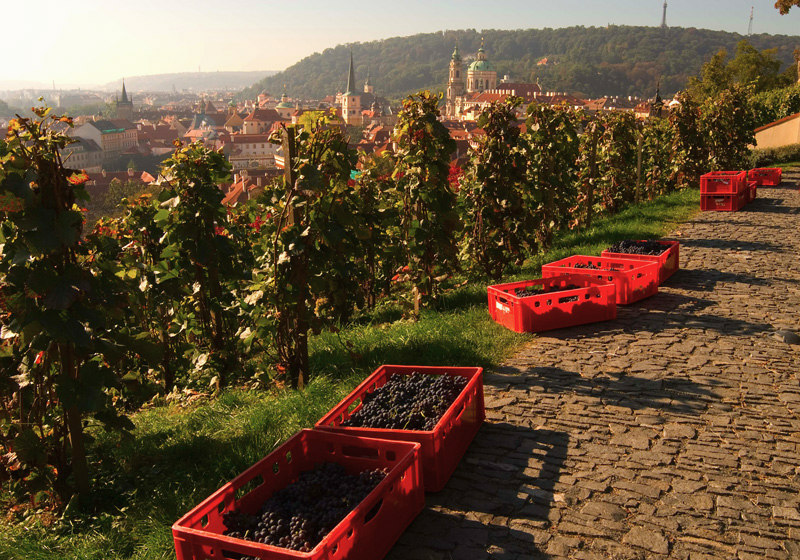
(743, 198)
(723, 182)
(442, 447)
(766, 176)
(721, 202)
(367, 533)
(591, 302)
(752, 190)
(668, 261)
(634, 279)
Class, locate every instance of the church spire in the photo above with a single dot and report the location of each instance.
(456, 55)
(351, 78)
(124, 93)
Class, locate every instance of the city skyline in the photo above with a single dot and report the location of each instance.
(106, 43)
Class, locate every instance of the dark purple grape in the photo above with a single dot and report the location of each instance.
(299, 516)
(408, 402)
(632, 247)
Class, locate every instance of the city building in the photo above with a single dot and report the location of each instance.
(124, 105)
(83, 154)
(351, 99)
(114, 136)
(251, 151)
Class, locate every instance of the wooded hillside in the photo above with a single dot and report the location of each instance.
(593, 61)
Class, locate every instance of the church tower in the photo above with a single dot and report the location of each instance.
(480, 74)
(455, 83)
(368, 87)
(351, 99)
(124, 105)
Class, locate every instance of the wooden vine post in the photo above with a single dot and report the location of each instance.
(594, 137)
(298, 277)
(639, 146)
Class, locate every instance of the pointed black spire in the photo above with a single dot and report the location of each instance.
(351, 78)
(124, 93)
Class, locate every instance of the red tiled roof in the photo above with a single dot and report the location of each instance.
(264, 115)
(779, 121)
(249, 138)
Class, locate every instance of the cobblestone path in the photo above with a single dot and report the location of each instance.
(671, 432)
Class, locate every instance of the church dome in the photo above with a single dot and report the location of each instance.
(480, 66)
(284, 104)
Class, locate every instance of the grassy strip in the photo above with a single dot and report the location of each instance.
(178, 456)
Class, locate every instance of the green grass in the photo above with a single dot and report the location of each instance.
(178, 456)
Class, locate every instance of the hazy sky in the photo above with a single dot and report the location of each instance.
(96, 41)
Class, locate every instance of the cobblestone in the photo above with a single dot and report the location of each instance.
(671, 432)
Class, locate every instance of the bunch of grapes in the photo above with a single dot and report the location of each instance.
(300, 515)
(589, 266)
(536, 289)
(408, 402)
(638, 247)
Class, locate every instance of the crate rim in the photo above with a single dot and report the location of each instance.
(594, 283)
(414, 451)
(324, 423)
(589, 271)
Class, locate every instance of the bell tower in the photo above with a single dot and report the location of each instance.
(351, 99)
(455, 83)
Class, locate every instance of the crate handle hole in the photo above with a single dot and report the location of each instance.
(350, 533)
(536, 304)
(204, 521)
(288, 456)
(358, 451)
(373, 512)
(220, 507)
(248, 487)
(353, 406)
(549, 302)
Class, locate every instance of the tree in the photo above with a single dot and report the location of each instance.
(59, 311)
(715, 76)
(203, 250)
(307, 268)
(749, 66)
(785, 5)
(491, 192)
(429, 218)
(550, 148)
(759, 68)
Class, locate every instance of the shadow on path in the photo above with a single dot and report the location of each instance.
(498, 501)
(672, 394)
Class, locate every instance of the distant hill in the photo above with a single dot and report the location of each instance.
(192, 81)
(593, 61)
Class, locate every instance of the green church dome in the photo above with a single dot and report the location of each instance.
(480, 66)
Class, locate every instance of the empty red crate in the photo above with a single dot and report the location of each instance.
(766, 176)
(723, 182)
(590, 302)
(367, 533)
(635, 280)
(720, 202)
(752, 190)
(668, 261)
(743, 198)
(442, 447)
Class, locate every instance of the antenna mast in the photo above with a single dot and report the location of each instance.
(664, 17)
(750, 26)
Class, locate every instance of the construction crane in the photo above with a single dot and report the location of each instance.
(664, 17)
(750, 26)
